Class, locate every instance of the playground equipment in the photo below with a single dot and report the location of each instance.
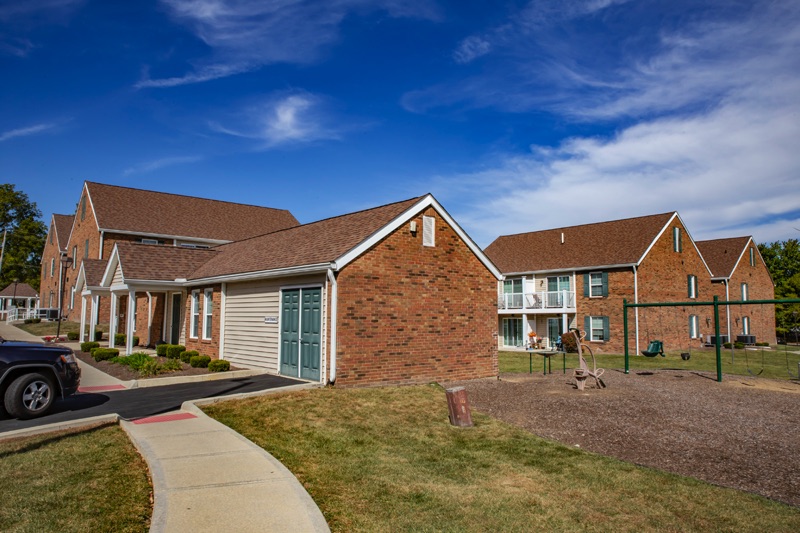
(584, 372)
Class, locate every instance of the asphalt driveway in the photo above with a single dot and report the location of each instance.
(139, 403)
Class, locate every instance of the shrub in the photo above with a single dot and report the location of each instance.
(104, 354)
(28, 321)
(174, 350)
(187, 355)
(87, 346)
(200, 361)
(762, 344)
(170, 365)
(150, 368)
(738, 345)
(219, 365)
(161, 349)
(37, 320)
(134, 361)
(98, 335)
(72, 335)
(119, 339)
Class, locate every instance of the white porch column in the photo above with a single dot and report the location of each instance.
(149, 318)
(112, 328)
(82, 336)
(93, 316)
(130, 328)
(564, 323)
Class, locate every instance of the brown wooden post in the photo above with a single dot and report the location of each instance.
(458, 404)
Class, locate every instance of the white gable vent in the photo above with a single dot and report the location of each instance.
(428, 231)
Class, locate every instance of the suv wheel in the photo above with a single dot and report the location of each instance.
(29, 396)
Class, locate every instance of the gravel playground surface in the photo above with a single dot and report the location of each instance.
(742, 433)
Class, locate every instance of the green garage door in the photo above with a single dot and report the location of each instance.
(301, 327)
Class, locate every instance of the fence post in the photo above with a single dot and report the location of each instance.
(719, 340)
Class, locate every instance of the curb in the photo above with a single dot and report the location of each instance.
(60, 426)
(193, 405)
(174, 380)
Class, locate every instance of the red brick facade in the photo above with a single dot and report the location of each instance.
(414, 314)
(51, 268)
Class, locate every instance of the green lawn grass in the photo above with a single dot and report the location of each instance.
(77, 480)
(774, 361)
(386, 459)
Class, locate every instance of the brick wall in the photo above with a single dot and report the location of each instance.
(663, 277)
(620, 286)
(760, 287)
(210, 346)
(415, 314)
(48, 284)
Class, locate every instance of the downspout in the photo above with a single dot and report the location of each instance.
(636, 309)
(728, 308)
(334, 305)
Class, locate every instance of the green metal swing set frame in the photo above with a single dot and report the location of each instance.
(715, 303)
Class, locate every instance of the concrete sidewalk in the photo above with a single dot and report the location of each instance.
(207, 477)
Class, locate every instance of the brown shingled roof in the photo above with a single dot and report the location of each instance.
(158, 213)
(63, 225)
(318, 242)
(721, 255)
(23, 290)
(618, 242)
(93, 270)
(153, 262)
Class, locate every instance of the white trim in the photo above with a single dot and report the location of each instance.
(427, 201)
(223, 299)
(317, 268)
(195, 299)
(572, 269)
(333, 313)
(208, 301)
(166, 236)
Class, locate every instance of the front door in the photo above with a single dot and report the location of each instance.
(175, 324)
(301, 326)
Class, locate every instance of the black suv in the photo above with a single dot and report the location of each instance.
(33, 374)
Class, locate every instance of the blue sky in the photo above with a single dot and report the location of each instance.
(517, 116)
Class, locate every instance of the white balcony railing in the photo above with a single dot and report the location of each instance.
(537, 300)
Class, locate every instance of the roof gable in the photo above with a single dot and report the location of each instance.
(329, 243)
(22, 290)
(150, 262)
(127, 210)
(723, 255)
(63, 228)
(603, 244)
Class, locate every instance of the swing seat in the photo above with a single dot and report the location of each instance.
(655, 348)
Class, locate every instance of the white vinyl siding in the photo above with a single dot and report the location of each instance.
(118, 279)
(250, 342)
(195, 322)
(428, 231)
(208, 306)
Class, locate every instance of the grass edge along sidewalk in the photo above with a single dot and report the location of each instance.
(384, 459)
(84, 479)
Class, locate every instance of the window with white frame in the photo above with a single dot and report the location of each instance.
(72, 298)
(745, 325)
(512, 293)
(692, 282)
(195, 324)
(74, 257)
(752, 257)
(694, 327)
(428, 231)
(86, 249)
(52, 267)
(83, 207)
(208, 299)
(596, 284)
(745, 292)
(598, 328)
(677, 240)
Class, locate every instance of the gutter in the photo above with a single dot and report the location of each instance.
(262, 274)
(574, 269)
(334, 306)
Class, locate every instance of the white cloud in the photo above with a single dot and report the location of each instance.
(245, 35)
(282, 119)
(25, 132)
(470, 48)
(156, 164)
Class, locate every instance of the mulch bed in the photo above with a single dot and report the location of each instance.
(126, 374)
(742, 433)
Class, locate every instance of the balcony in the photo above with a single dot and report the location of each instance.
(546, 301)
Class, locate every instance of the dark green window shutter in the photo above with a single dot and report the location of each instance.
(605, 283)
(586, 285)
(605, 329)
(587, 326)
